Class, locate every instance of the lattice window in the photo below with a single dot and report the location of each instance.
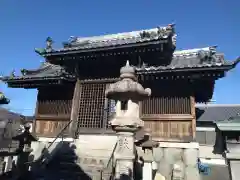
(111, 110)
(94, 107)
(166, 105)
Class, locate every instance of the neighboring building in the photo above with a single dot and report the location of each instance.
(228, 135)
(72, 81)
(207, 115)
(10, 126)
(210, 152)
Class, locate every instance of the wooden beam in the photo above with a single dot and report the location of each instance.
(96, 131)
(103, 80)
(53, 117)
(35, 114)
(75, 108)
(178, 140)
(167, 117)
(105, 51)
(192, 99)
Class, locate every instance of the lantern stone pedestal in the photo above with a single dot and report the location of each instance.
(127, 93)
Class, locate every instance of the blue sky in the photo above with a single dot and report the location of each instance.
(25, 25)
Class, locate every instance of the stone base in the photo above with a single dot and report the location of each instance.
(124, 169)
(235, 167)
(177, 161)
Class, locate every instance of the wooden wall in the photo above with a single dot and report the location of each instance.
(170, 112)
(53, 110)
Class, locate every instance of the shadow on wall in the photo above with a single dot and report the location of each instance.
(59, 164)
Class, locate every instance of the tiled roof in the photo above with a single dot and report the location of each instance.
(230, 124)
(120, 39)
(192, 58)
(45, 71)
(216, 112)
(182, 60)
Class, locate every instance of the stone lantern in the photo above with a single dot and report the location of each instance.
(127, 93)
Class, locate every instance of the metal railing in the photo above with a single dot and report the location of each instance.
(110, 164)
(45, 151)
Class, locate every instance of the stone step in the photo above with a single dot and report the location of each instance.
(82, 159)
(81, 175)
(70, 170)
(91, 172)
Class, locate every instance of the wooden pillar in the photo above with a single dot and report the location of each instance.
(75, 109)
(193, 112)
(34, 124)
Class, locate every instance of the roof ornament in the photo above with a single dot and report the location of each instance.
(145, 34)
(12, 74)
(208, 56)
(49, 43)
(162, 32)
(72, 39)
(40, 51)
(68, 44)
(23, 71)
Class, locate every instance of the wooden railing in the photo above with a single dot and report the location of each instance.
(45, 153)
(111, 165)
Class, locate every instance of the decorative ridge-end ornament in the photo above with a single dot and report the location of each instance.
(12, 74)
(40, 51)
(49, 43)
(127, 87)
(23, 71)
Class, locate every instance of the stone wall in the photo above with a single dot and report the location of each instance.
(233, 157)
(177, 161)
(87, 147)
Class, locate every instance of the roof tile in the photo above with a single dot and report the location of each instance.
(46, 71)
(147, 35)
(192, 58)
(216, 112)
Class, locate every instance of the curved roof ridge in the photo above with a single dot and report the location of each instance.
(194, 50)
(123, 35)
(44, 66)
